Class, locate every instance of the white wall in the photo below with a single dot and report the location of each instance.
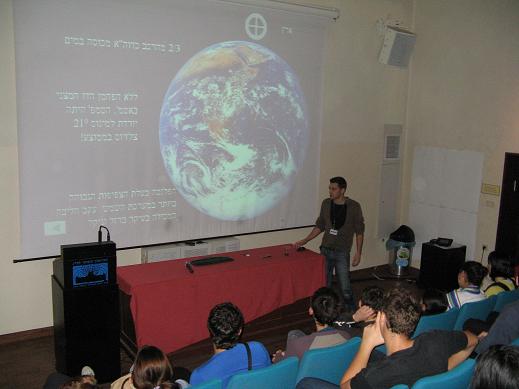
(464, 90)
(360, 95)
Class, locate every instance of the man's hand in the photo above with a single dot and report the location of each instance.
(300, 243)
(278, 355)
(372, 336)
(359, 239)
(315, 231)
(356, 259)
(363, 313)
(460, 356)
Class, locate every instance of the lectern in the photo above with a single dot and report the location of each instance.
(85, 299)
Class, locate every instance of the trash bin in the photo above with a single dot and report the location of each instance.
(400, 250)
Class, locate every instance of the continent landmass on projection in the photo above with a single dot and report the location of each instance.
(234, 130)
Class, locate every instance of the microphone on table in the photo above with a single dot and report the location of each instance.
(189, 267)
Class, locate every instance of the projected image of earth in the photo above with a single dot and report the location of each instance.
(234, 130)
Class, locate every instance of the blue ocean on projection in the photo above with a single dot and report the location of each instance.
(234, 130)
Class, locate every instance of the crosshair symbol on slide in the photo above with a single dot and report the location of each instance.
(256, 26)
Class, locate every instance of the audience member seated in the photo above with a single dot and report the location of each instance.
(501, 274)
(151, 369)
(369, 304)
(324, 308)
(407, 359)
(504, 330)
(497, 368)
(225, 324)
(469, 281)
(434, 301)
(57, 380)
(81, 382)
(487, 280)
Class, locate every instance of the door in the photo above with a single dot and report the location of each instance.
(507, 239)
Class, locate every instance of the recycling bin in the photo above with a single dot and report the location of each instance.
(400, 250)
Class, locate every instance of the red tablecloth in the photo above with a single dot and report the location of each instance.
(170, 305)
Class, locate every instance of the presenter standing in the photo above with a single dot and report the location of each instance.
(340, 219)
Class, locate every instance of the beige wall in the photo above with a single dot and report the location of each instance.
(464, 90)
(360, 95)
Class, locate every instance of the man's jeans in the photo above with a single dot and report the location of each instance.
(340, 260)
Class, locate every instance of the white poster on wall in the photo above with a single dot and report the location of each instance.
(445, 186)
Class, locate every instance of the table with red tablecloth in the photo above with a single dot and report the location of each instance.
(170, 305)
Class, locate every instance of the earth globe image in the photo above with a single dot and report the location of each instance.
(234, 130)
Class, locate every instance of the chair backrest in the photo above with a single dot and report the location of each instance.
(515, 342)
(441, 321)
(504, 298)
(328, 363)
(400, 386)
(477, 310)
(213, 384)
(281, 375)
(457, 378)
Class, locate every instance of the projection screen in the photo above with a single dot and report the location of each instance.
(164, 120)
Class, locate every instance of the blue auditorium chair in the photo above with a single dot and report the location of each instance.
(440, 321)
(477, 310)
(213, 384)
(504, 298)
(515, 342)
(328, 363)
(457, 378)
(281, 375)
(400, 386)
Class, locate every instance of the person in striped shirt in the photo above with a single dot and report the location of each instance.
(470, 277)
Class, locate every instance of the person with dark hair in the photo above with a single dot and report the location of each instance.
(57, 380)
(325, 306)
(470, 277)
(370, 303)
(340, 219)
(434, 301)
(151, 369)
(407, 359)
(501, 273)
(81, 382)
(491, 256)
(372, 297)
(497, 368)
(225, 325)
